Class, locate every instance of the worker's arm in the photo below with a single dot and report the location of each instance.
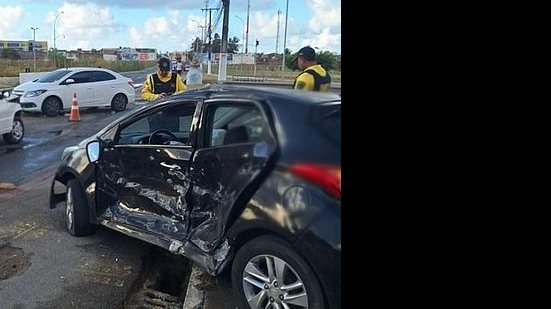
(305, 81)
(180, 86)
(147, 90)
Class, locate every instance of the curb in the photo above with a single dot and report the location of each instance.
(195, 298)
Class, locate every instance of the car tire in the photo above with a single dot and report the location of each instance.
(77, 214)
(17, 132)
(118, 104)
(256, 255)
(52, 107)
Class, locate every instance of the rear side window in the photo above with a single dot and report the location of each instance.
(237, 124)
(327, 119)
(103, 76)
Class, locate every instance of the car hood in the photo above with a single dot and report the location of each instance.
(30, 86)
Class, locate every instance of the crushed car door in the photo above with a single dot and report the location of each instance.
(236, 147)
(143, 177)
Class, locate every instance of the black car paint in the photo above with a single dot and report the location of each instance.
(185, 211)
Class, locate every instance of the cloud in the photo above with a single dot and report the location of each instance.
(322, 29)
(166, 33)
(326, 14)
(11, 15)
(87, 21)
(138, 4)
(325, 40)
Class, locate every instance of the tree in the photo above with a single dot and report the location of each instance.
(232, 46)
(10, 53)
(197, 45)
(290, 62)
(325, 58)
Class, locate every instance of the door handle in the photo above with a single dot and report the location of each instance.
(172, 167)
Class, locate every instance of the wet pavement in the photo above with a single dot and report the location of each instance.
(46, 137)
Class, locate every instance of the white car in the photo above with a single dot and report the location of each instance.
(95, 87)
(11, 125)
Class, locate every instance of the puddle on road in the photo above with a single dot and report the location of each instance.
(56, 132)
(13, 261)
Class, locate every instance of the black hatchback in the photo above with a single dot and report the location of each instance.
(228, 176)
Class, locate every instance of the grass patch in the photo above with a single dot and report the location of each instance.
(12, 68)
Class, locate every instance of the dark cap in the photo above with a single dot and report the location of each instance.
(307, 52)
(164, 64)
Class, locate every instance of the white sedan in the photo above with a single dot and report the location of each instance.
(94, 87)
(11, 125)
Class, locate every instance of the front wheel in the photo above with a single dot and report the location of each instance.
(77, 213)
(52, 107)
(267, 273)
(17, 132)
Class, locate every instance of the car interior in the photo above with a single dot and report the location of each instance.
(169, 126)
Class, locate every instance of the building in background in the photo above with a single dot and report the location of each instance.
(127, 53)
(25, 46)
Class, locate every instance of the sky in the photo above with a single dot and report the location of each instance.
(170, 25)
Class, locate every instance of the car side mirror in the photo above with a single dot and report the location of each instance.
(93, 151)
(6, 94)
(69, 81)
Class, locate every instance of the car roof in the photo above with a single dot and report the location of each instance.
(259, 92)
(87, 69)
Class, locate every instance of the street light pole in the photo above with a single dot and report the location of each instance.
(247, 38)
(34, 46)
(243, 22)
(55, 48)
(200, 50)
(285, 39)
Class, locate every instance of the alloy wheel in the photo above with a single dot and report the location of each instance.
(119, 103)
(270, 283)
(17, 130)
(69, 211)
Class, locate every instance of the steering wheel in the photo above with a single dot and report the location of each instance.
(171, 136)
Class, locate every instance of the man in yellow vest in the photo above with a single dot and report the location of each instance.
(313, 76)
(162, 83)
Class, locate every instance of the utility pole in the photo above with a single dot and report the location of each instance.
(247, 38)
(34, 46)
(209, 29)
(285, 39)
(224, 49)
(55, 48)
(277, 35)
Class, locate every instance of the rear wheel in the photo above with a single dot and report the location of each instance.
(52, 107)
(17, 132)
(119, 102)
(267, 273)
(77, 211)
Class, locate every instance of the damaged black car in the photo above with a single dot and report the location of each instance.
(227, 176)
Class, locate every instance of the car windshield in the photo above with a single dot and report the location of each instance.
(53, 76)
(327, 118)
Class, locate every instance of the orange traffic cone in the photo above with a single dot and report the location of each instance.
(75, 114)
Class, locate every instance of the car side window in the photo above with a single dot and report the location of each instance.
(236, 124)
(82, 77)
(167, 126)
(101, 76)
